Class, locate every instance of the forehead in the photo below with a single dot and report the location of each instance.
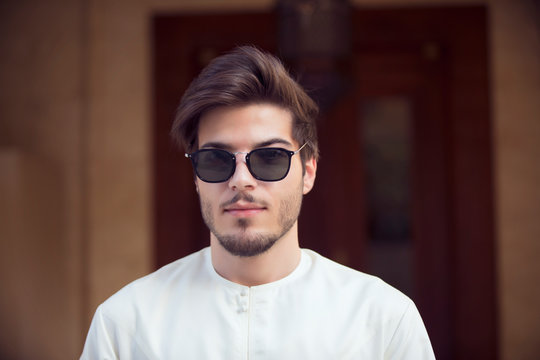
(245, 125)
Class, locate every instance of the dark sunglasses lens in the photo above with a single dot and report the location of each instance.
(269, 164)
(213, 165)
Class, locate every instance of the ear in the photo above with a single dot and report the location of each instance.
(309, 175)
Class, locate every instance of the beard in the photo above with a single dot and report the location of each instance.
(247, 243)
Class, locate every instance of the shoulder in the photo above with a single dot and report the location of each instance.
(340, 275)
(123, 323)
(363, 289)
(388, 318)
(142, 293)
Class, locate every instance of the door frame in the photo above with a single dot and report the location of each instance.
(457, 34)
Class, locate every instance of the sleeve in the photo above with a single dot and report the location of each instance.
(410, 340)
(99, 345)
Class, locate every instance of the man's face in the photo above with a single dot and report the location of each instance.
(245, 215)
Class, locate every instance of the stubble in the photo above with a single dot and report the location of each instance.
(245, 242)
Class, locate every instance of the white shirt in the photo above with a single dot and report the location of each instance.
(322, 310)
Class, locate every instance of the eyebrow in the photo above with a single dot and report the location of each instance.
(266, 143)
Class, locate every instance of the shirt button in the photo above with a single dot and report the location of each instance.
(243, 292)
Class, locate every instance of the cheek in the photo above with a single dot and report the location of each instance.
(293, 188)
(209, 196)
(206, 190)
(205, 197)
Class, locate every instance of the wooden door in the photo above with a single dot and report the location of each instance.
(426, 69)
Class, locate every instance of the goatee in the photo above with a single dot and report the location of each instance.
(247, 243)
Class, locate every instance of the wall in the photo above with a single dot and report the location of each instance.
(516, 114)
(41, 205)
(76, 98)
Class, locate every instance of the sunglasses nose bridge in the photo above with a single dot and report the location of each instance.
(244, 158)
(242, 176)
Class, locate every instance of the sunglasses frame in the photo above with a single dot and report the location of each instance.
(289, 153)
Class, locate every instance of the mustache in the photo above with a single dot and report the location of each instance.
(242, 196)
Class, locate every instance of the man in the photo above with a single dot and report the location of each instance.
(249, 131)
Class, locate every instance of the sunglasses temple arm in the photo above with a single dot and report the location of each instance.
(301, 147)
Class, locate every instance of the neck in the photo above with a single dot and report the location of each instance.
(276, 263)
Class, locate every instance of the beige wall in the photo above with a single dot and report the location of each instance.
(516, 114)
(40, 171)
(75, 110)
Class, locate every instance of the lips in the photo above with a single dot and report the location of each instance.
(244, 209)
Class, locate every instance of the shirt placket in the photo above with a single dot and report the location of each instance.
(243, 312)
(258, 323)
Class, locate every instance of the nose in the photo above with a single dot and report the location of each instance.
(242, 178)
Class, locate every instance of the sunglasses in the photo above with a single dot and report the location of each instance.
(265, 164)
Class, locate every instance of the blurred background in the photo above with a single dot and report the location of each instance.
(429, 166)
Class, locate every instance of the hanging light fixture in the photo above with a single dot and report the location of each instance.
(314, 28)
(315, 39)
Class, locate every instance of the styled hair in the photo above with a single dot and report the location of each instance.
(242, 77)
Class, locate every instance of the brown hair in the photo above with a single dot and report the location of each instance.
(242, 77)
